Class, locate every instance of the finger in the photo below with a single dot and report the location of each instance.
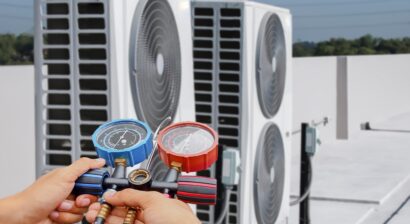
(81, 166)
(183, 205)
(95, 206)
(69, 206)
(112, 219)
(65, 217)
(133, 198)
(91, 215)
(85, 200)
(92, 212)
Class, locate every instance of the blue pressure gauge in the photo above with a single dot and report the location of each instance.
(128, 139)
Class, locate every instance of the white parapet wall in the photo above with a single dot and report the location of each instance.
(17, 154)
(314, 94)
(376, 88)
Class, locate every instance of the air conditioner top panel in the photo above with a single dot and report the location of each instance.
(255, 4)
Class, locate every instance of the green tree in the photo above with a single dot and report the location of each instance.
(16, 49)
(7, 51)
(24, 47)
(364, 45)
(303, 49)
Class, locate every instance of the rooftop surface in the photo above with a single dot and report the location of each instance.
(363, 180)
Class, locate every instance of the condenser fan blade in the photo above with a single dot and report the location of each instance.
(269, 175)
(271, 65)
(155, 62)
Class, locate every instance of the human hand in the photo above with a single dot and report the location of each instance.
(48, 200)
(152, 208)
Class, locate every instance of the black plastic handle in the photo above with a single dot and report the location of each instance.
(197, 190)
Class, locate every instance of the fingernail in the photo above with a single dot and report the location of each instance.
(66, 205)
(109, 193)
(100, 160)
(54, 214)
(84, 202)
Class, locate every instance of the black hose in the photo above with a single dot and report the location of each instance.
(99, 220)
(303, 197)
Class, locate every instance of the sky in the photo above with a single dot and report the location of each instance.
(313, 20)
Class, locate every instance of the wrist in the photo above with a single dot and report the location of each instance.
(10, 209)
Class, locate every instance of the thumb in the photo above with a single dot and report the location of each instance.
(81, 166)
(134, 198)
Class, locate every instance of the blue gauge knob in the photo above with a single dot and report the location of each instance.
(127, 139)
(91, 182)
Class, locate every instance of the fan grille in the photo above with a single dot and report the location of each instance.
(269, 175)
(271, 65)
(155, 61)
(158, 168)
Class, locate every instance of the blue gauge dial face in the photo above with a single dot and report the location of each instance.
(119, 136)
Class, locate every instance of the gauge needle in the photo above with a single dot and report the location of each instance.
(186, 142)
(122, 136)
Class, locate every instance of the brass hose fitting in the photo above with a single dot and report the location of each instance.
(130, 217)
(104, 211)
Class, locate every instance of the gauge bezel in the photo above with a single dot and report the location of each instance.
(116, 122)
(134, 154)
(189, 162)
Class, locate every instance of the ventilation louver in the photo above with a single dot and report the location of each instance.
(217, 45)
(72, 79)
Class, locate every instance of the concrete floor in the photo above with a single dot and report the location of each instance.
(365, 179)
(403, 215)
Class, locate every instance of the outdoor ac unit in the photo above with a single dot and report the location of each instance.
(98, 60)
(242, 70)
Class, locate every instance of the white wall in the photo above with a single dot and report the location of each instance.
(314, 94)
(378, 88)
(17, 156)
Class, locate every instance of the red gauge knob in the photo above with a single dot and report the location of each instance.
(190, 146)
(197, 190)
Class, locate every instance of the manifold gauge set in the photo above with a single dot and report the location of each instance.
(183, 147)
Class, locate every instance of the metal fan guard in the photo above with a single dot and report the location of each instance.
(155, 62)
(267, 194)
(158, 168)
(270, 55)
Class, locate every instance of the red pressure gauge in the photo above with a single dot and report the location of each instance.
(190, 146)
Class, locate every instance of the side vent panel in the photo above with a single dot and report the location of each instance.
(72, 79)
(92, 69)
(217, 42)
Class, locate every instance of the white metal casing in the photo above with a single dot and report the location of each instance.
(122, 14)
(252, 114)
(121, 19)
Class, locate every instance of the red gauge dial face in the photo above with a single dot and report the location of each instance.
(188, 140)
(191, 144)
